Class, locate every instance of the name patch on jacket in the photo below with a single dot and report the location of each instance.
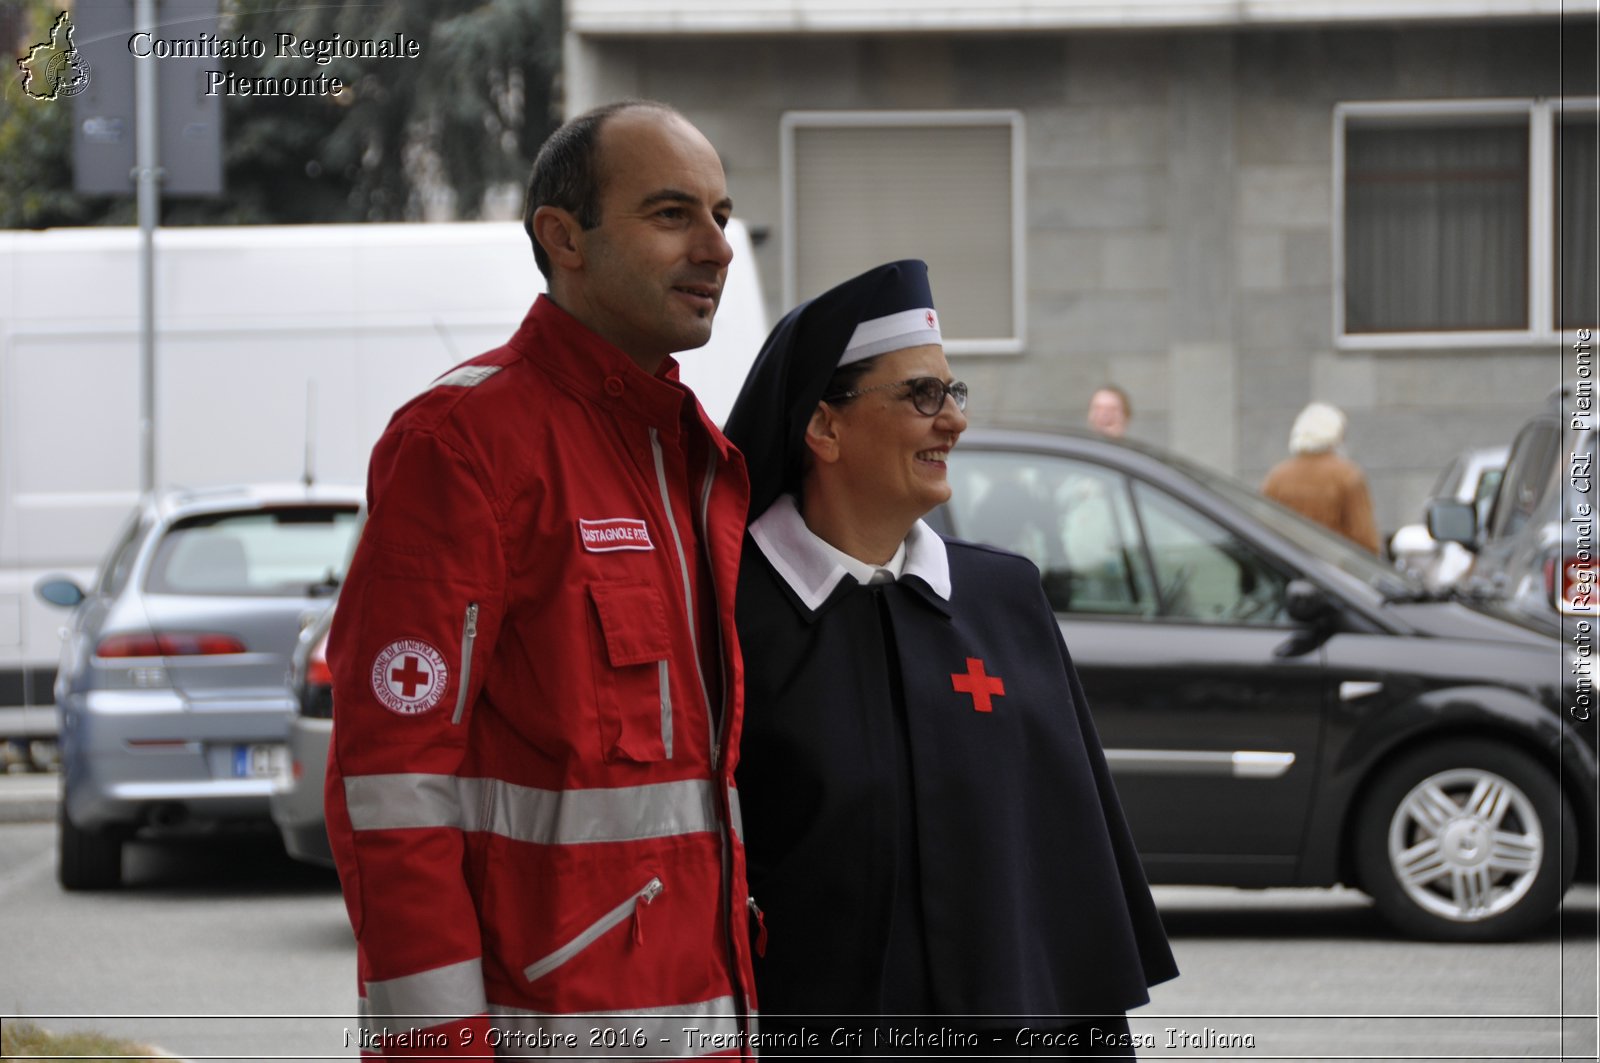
(409, 676)
(615, 533)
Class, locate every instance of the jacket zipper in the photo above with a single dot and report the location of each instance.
(719, 725)
(612, 919)
(688, 597)
(469, 634)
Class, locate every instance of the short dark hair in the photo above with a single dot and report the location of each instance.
(565, 173)
(845, 378)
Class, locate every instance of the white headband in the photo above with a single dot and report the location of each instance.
(908, 328)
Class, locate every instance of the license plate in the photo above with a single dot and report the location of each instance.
(261, 761)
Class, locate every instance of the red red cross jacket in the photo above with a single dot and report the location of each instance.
(529, 796)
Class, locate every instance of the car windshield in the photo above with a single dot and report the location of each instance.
(288, 551)
(1309, 536)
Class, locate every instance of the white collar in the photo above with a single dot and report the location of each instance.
(813, 568)
(864, 573)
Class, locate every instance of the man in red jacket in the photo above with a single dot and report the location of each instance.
(530, 793)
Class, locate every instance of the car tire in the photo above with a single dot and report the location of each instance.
(87, 859)
(1466, 840)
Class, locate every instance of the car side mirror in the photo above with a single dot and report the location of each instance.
(59, 590)
(1450, 521)
(1305, 601)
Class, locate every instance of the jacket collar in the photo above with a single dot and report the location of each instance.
(801, 559)
(593, 368)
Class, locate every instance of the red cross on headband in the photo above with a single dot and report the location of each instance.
(880, 335)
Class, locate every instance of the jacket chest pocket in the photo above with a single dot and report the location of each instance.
(633, 671)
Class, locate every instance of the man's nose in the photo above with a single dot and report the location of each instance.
(712, 245)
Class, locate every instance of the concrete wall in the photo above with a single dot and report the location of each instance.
(1179, 209)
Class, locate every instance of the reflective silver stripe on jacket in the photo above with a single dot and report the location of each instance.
(395, 802)
(716, 1022)
(735, 814)
(430, 997)
(527, 814)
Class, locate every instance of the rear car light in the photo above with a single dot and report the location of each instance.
(169, 644)
(316, 698)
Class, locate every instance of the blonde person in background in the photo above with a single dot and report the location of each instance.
(1318, 482)
(1109, 411)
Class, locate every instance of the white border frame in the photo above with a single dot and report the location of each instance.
(1541, 115)
(793, 120)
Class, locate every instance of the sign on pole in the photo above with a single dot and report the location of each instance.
(103, 133)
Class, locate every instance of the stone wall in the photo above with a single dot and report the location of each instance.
(1179, 217)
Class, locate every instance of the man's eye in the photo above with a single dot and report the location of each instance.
(722, 221)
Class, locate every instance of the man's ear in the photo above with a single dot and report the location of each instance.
(557, 231)
(822, 433)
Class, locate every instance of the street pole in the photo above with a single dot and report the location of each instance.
(147, 176)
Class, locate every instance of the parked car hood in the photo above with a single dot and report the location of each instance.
(1460, 620)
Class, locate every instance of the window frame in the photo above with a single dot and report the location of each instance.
(792, 121)
(1542, 115)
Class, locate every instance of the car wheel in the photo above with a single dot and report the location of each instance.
(1466, 840)
(87, 859)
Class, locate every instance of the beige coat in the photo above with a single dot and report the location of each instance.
(1328, 489)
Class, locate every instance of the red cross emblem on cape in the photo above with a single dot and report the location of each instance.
(979, 684)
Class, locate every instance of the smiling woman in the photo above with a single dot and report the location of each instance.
(916, 744)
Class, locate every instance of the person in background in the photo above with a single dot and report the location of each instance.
(1110, 411)
(1318, 482)
(535, 670)
(931, 827)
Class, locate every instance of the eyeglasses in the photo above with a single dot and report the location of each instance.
(925, 392)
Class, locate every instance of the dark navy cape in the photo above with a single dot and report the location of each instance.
(910, 853)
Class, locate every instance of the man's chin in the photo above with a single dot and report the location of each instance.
(692, 338)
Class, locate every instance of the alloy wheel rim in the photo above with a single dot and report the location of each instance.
(1465, 844)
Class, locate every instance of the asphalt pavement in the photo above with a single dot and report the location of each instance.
(29, 797)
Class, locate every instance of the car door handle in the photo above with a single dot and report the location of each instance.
(1356, 689)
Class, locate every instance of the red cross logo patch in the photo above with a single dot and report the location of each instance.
(933, 321)
(979, 684)
(409, 677)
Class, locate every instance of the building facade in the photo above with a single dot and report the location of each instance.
(1228, 209)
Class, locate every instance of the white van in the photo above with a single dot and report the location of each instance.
(273, 342)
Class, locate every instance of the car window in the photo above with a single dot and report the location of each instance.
(1322, 543)
(1523, 483)
(287, 551)
(1449, 480)
(119, 562)
(1072, 519)
(1106, 547)
(1204, 571)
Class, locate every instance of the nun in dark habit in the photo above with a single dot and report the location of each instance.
(934, 840)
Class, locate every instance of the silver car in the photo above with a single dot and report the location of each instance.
(172, 693)
(1472, 478)
(297, 799)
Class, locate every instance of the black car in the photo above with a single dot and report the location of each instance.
(1279, 707)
